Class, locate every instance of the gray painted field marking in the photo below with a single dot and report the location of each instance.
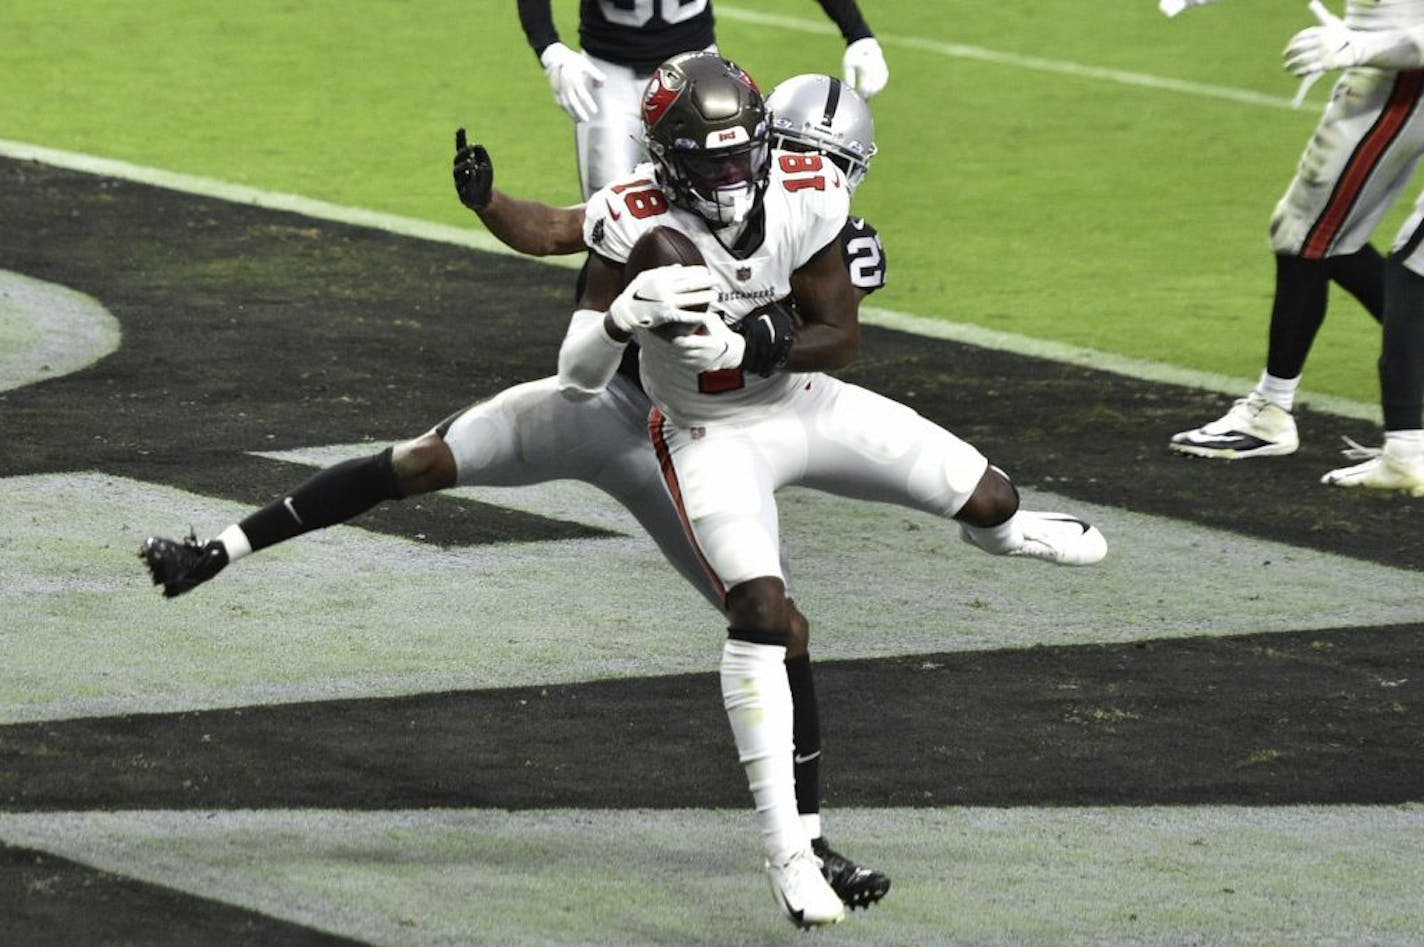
(1144, 876)
(290, 624)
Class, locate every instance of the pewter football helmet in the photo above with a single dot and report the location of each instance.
(822, 114)
(706, 130)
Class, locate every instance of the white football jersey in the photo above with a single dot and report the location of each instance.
(804, 209)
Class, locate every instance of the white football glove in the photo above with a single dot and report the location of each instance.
(865, 68)
(1173, 7)
(661, 295)
(1331, 45)
(719, 347)
(572, 78)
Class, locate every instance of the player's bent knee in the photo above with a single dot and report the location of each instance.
(424, 464)
(758, 604)
(993, 501)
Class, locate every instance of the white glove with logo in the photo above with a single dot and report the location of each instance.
(719, 347)
(865, 68)
(664, 294)
(1332, 45)
(572, 77)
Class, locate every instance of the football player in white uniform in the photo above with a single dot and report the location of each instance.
(742, 406)
(623, 41)
(1360, 157)
(531, 434)
(1386, 36)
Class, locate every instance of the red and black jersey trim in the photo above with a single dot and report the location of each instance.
(1403, 100)
(660, 448)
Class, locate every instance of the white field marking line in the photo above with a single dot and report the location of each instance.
(475, 239)
(1061, 67)
(242, 194)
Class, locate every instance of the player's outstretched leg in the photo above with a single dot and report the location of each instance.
(334, 495)
(181, 565)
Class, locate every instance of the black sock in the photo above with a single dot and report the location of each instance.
(1361, 274)
(806, 734)
(1401, 361)
(1301, 291)
(332, 496)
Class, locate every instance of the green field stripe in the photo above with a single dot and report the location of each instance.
(987, 876)
(1059, 67)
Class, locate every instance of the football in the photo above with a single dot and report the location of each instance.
(663, 246)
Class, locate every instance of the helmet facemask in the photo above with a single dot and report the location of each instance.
(722, 186)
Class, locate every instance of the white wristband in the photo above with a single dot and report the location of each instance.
(588, 357)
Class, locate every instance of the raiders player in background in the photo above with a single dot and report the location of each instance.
(600, 86)
(1361, 155)
(743, 408)
(532, 433)
(810, 113)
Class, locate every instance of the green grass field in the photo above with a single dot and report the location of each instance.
(1036, 177)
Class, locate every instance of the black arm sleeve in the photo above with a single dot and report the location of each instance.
(844, 13)
(538, 21)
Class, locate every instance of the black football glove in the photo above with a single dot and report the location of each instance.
(769, 333)
(474, 173)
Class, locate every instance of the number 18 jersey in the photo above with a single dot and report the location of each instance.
(802, 212)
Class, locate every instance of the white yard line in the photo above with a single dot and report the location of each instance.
(1061, 67)
(480, 240)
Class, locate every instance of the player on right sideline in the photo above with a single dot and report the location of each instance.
(1358, 160)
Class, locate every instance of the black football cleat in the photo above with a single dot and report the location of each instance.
(857, 886)
(181, 566)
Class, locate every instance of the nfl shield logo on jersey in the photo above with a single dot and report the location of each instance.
(744, 273)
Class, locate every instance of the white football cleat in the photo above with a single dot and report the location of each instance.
(1060, 538)
(803, 893)
(1254, 427)
(1383, 470)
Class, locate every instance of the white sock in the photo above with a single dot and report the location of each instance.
(234, 540)
(758, 702)
(812, 824)
(997, 540)
(1404, 445)
(1278, 391)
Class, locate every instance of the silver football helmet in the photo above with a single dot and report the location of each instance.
(822, 114)
(706, 130)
